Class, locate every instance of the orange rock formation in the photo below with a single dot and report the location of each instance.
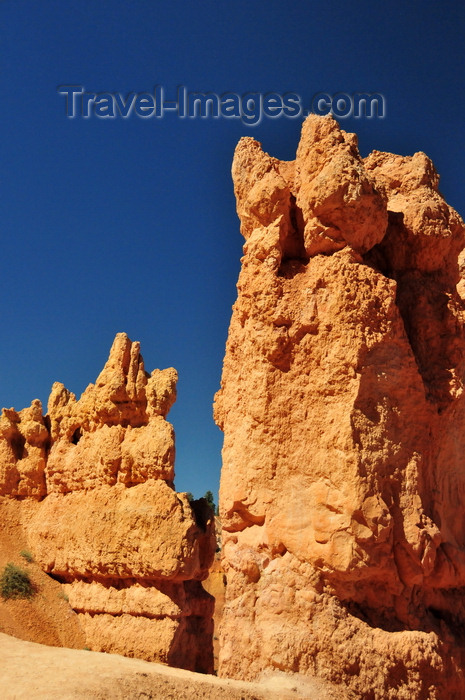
(343, 409)
(95, 479)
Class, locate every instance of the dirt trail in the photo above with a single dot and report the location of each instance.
(30, 671)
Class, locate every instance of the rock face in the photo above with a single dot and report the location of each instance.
(102, 517)
(343, 412)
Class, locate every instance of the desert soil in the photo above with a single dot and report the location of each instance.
(30, 671)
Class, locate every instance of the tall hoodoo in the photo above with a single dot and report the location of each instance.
(343, 413)
(95, 479)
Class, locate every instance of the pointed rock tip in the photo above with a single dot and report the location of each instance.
(120, 352)
(59, 397)
(120, 341)
(122, 335)
(317, 127)
(246, 153)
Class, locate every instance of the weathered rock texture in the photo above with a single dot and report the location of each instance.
(342, 404)
(100, 513)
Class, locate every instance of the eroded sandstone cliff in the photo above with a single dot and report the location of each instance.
(343, 411)
(94, 478)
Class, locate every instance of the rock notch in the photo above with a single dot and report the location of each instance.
(94, 482)
(343, 413)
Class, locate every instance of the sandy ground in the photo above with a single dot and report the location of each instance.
(29, 671)
(63, 670)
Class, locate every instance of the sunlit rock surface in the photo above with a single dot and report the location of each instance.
(342, 405)
(95, 479)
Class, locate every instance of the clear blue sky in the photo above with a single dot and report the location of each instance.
(129, 224)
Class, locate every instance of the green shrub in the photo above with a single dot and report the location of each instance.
(27, 555)
(15, 583)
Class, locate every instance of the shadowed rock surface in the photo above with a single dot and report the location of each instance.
(343, 413)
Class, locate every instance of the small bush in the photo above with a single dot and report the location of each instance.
(63, 596)
(15, 583)
(27, 555)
